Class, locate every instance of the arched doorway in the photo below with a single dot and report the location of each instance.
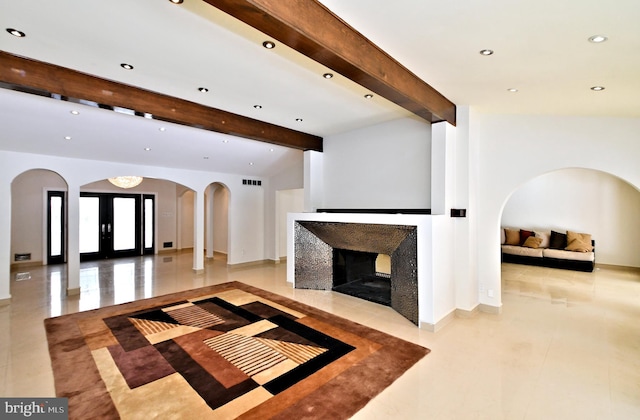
(38, 218)
(583, 200)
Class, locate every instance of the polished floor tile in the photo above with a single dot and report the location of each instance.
(566, 345)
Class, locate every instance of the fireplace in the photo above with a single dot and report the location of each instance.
(360, 274)
(342, 257)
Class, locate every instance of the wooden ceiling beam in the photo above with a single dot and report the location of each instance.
(31, 75)
(310, 28)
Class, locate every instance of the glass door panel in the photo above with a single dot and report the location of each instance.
(124, 223)
(56, 227)
(90, 229)
(149, 223)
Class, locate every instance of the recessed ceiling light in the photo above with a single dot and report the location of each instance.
(225, 141)
(512, 90)
(257, 106)
(596, 39)
(328, 75)
(16, 32)
(299, 119)
(203, 89)
(146, 149)
(162, 129)
(271, 150)
(205, 157)
(74, 112)
(368, 96)
(486, 52)
(67, 137)
(269, 45)
(597, 88)
(126, 66)
(176, 1)
(251, 163)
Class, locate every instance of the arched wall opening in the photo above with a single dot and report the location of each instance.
(583, 200)
(217, 197)
(29, 191)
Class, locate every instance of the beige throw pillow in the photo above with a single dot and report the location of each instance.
(532, 242)
(579, 242)
(512, 237)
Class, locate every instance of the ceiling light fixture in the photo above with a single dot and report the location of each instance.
(176, 1)
(269, 45)
(596, 39)
(126, 181)
(299, 119)
(67, 137)
(257, 106)
(146, 149)
(206, 158)
(512, 90)
(162, 129)
(597, 88)
(203, 89)
(16, 33)
(368, 96)
(486, 52)
(126, 66)
(74, 112)
(225, 141)
(328, 75)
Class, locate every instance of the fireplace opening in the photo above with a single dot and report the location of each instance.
(366, 275)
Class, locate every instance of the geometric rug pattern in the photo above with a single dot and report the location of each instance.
(226, 351)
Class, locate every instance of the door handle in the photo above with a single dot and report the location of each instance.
(102, 229)
(108, 227)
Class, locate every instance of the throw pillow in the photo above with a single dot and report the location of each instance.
(532, 242)
(558, 240)
(579, 242)
(524, 234)
(545, 236)
(512, 237)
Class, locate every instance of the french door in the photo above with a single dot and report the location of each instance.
(115, 225)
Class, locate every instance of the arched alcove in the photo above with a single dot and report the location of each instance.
(583, 200)
(217, 198)
(29, 214)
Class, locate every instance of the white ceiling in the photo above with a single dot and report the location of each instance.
(541, 48)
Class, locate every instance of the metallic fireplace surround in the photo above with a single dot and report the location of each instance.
(315, 241)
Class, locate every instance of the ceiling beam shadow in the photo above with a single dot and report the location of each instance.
(310, 28)
(35, 76)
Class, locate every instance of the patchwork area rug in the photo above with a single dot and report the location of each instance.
(224, 351)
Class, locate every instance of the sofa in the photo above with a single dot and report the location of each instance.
(569, 250)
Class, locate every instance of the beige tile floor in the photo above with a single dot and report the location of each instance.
(566, 346)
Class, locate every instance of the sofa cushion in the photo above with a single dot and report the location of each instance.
(522, 251)
(558, 240)
(545, 236)
(579, 242)
(524, 234)
(561, 254)
(532, 242)
(512, 237)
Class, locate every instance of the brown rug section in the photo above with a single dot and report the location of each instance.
(223, 351)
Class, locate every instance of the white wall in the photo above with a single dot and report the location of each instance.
(287, 201)
(382, 166)
(514, 149)
(582, 200)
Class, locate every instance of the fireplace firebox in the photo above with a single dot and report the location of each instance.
(342, 257)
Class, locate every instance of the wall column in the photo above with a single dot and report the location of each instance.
(73, 239)
(198, 232)
(5, 242)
